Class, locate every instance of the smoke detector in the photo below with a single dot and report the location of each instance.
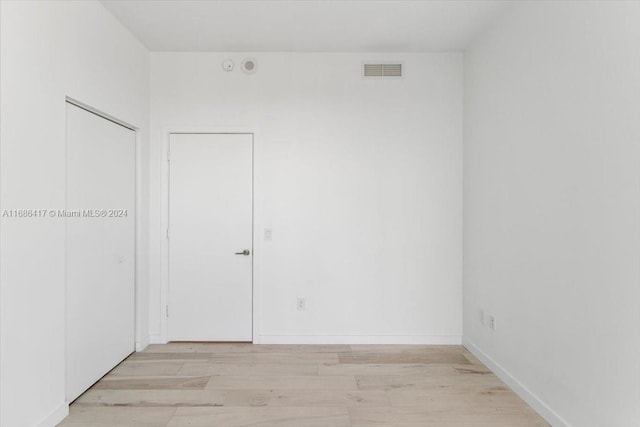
(249, 65)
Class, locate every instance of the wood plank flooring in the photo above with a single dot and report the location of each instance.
(236, 385)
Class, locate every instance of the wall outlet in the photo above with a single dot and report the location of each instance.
(492, 323)
(267, 234)
(302, 304)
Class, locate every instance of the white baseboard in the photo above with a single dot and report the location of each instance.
(141, 345)
(360, 339)
(56, 417)
(142, 342)
(520, 389)
(156, 339)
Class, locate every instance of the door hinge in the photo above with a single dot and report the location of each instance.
(167, 233)
(168, 155)
(167, 310)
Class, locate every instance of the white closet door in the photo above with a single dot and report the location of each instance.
(210, 245)
(100, 249)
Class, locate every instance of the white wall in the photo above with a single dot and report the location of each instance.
(360, 181)
(51, 50)
(552, 207)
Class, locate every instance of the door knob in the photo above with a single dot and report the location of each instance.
(246, 252)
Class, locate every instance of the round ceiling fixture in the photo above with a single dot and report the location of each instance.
(227, 65)
(249, 65)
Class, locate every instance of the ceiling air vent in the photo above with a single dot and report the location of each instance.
(382, 70)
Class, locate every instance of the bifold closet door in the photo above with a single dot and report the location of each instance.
(100, 247)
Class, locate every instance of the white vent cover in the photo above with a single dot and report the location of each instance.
(382, 70)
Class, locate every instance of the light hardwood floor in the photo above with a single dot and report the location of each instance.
(220, 385)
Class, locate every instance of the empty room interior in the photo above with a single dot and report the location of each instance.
(319, 213)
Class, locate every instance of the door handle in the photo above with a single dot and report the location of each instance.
(246, 252)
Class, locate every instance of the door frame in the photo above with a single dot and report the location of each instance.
(164, 221)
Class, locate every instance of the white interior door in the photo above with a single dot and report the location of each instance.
(210, 225)
(100, 248)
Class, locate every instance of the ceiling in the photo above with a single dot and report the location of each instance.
(305, 25)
